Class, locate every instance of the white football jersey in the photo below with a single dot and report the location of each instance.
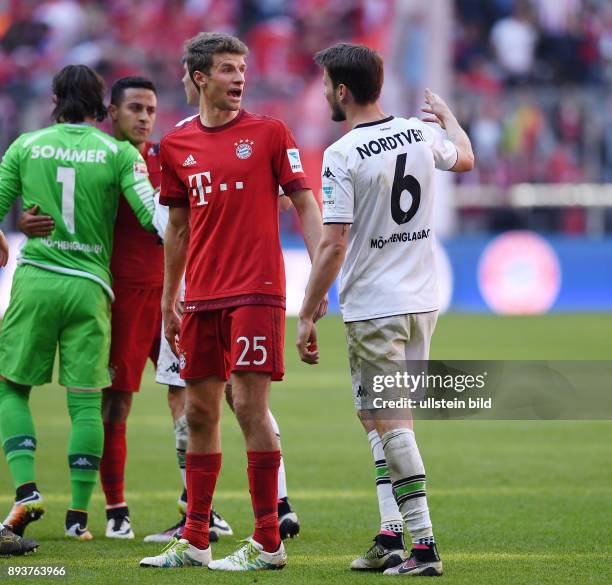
(380, 178)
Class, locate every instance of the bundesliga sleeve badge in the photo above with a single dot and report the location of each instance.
(294, 160)
(140, 170)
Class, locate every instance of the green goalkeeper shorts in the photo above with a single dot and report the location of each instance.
(48, 309)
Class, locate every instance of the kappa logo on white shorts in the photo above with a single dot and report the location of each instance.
(293, 154)
(189, 161)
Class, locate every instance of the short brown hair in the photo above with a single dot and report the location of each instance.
(199, 50)
(79, 92)
(356, 66)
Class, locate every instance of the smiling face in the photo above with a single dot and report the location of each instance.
(331, 94)
(223, 86)
(134, 118)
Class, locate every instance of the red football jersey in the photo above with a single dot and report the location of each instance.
(138, 257)
(229, 177)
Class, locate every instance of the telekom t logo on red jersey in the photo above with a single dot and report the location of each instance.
(199, 189)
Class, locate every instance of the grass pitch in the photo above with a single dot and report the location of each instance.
(517, 502)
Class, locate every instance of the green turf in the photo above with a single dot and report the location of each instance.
(517, 502)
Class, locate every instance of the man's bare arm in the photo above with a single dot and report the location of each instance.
(325, 268)
(312, 224)
(310, 218)
(284, 203)
(34, 225)
(176, 243)
(441, 114)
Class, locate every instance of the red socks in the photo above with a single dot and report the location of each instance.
(202, 472)
(112, 465)
(263, 485)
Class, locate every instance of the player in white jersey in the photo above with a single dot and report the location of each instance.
(378, 215)
(168, 374)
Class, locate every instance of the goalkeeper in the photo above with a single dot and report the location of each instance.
(61, 291)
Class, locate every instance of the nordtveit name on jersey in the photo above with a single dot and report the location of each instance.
(69, 154)
(390, 142)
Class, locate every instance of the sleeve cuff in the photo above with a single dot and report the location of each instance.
(456, 159)
(295, 185)
(338, 220)
(173, 201)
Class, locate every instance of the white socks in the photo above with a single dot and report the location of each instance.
(390, 516)
(407, 475)
(180, 433)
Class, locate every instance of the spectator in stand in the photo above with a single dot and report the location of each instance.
(514, 40)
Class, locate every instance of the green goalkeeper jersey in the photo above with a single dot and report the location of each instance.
(75, 173)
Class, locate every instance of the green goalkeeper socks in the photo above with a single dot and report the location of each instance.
(17, 432)
(85, 446)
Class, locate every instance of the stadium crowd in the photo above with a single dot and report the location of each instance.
(531, 77)
(120, 38)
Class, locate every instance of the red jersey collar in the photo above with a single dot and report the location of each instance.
(224, 126)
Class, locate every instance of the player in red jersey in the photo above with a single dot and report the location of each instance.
(137, 268)
(168, 374)
(220, 177)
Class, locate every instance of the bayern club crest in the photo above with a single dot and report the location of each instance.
(244, 148)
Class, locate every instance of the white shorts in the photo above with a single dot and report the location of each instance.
(383, 344)
(168, 371)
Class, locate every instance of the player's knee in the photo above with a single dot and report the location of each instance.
(201, 416)
(116, 406)
(366, 420)
(249, 414)
(176, 400)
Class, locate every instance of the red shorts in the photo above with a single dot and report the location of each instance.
(136, 330)
(249, 338)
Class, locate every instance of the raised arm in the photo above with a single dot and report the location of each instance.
(441, 114)
(176, 243)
